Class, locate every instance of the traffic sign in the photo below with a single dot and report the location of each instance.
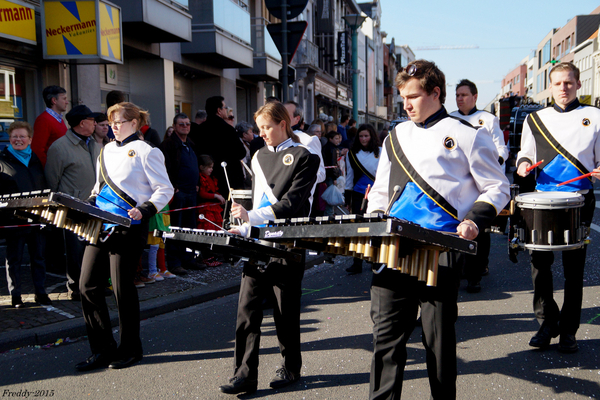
(294, 8)
(294, 36)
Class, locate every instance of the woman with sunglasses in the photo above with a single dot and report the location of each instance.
(131, 181)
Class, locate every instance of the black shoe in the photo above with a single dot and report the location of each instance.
(17, 302)
(283, 378)
(125, 362)
(95, 361)
(567, 344)
(354, 269)
(194, 265)
(43, 299)
(544, 336)
(486, 271)
(239, 385)
(473, 287)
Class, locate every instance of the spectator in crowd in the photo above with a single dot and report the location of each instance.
(100, 134)
(168, 133)
(71, 169)
(200, 117)
(313, 143)
(209, 195)
(257, 143)
(49, 125)
(150, 135)
(246, 132)
(114, 97)
(332, 157)
(230, 117)
(22, 171)
(182, 166)
(351, 123)
(341, 128)
(317, 130)
(220, 140)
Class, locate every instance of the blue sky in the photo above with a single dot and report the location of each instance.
(505, 31)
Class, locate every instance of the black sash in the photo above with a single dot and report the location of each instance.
(104, 178)
(548, 148)
(357, 166)
(413, 176)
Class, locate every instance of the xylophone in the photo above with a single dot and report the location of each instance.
(375, 237)
(63, 211)
(223, 242)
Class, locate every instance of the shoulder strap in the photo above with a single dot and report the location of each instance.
(540, 130)
(413, 175)
(356, 163)
(104, 176)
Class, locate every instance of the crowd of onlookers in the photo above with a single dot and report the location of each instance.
(204, 158)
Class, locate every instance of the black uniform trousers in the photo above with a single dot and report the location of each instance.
(545, 308)
(120, 255)
(395, 299)
(284, 279)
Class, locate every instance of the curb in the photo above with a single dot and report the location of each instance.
(150, 308)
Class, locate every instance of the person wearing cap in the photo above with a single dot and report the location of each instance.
(71, 169)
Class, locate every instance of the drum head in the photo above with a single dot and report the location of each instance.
(547, 200)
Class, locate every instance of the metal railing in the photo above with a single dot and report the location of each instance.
(307, 54)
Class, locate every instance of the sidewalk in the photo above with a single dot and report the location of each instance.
(39, 325)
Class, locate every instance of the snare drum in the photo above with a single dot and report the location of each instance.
(549, 221)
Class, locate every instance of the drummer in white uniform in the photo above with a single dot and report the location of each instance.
(566, 137)
(466, 100)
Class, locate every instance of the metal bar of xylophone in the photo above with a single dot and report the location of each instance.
(227, 243)
(63, 211)
(375, 237)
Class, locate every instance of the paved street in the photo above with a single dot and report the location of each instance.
(188, 353)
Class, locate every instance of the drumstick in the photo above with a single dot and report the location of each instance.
(576, 179)
(201, 216)
(363, 205)
(393, 199)
(224, 165)
(534, 166)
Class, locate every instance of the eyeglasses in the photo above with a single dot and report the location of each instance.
(184, 123)
(19, 137)
(117, 124)
(412, 70)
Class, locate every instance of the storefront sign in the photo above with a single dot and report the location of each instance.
(87, 31)
(17, 21)
(325, 89)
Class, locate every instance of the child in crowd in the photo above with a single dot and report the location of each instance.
(210, 200)
(157, 269)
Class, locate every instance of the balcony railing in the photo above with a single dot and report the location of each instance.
(261, 40)
(307, 54)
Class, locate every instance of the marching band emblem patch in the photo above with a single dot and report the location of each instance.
(449, 143)
(288, 159)
(586, 122)
(131, 153)
(481, 122)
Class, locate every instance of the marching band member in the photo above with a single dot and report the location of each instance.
(285, 175)
(466, 100)
(449, 180)
(566, 136)
(361, 167)
(131, 181)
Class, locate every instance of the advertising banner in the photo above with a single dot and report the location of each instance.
(17, 21)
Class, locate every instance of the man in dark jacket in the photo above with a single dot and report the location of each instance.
(218, 139)
(182, 167)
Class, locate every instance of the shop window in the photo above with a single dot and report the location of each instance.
(11, 101)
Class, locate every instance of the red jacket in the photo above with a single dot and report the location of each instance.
(46, 130)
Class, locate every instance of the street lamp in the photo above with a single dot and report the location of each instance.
(354, 21)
